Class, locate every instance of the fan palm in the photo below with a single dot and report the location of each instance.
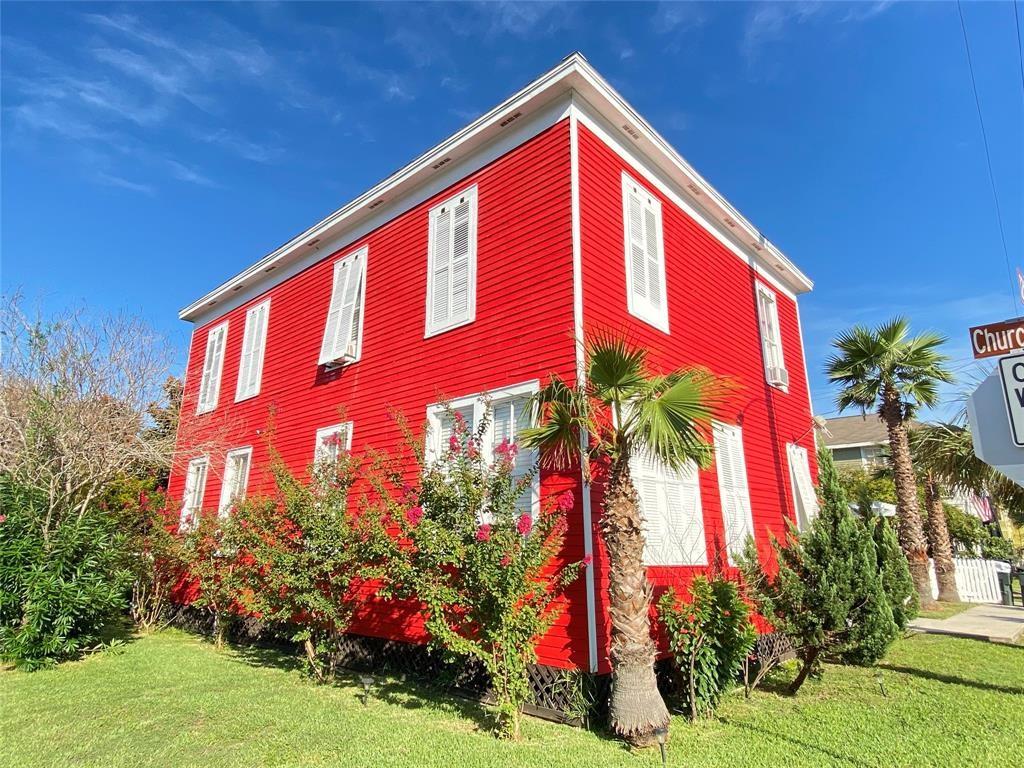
(888, 369)
(620, 409)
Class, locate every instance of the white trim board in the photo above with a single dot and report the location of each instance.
(460, 151)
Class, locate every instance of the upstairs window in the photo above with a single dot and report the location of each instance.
(213, 366)
(236, 479)
(451, 263)
(343, 333)
(511, 413)
(645, 255)
(671, 510)
(331, 441)
(733, 488)
(805, 500)
(195, 488)
(254, 341)
(771, 339)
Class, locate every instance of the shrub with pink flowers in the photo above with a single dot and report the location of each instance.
(485, 570)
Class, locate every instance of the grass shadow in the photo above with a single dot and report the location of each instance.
(953, 679)
(834, 755)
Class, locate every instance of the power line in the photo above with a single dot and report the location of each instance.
(1020, 47)
(988, 156)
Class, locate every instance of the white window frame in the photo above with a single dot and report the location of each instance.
(434, 328)
(320, 447)
(240, 392)
(734, 541)
(326, 357)
(638, 307)
(674, 554)
(213, 396)
(805, 501)
(771, 345)
(228, 480)
(480, 403)
(195, 490)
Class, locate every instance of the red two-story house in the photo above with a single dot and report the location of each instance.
(479, 268)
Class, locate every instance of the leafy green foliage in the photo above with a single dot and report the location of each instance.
(309, 558)
(709, 638)
(213, 561)
(896, 581)
(964, 529)
(997, 548)
(60, 585)
(828, 595)
(485, 571)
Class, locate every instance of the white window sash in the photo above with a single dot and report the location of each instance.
(447, 307)
(643, 233)
(324, 448)
(195, 489)
(476, 406)
(235, 482)
(768, 322)
(254, 343)
(733, 487)
(213, 368)
(805, 500)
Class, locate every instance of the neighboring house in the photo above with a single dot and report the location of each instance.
(856, 442)
(478, 268)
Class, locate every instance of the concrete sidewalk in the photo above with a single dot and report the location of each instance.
(995, 623)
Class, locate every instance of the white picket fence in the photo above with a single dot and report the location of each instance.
(977, 580)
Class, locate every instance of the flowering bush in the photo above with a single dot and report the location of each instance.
(485, 571)
(308, 556)
(709, 638)
(211, 557)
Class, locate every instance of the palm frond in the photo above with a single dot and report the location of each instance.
(564, 414)
(616, 371)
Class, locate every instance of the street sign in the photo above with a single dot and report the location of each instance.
(997, 338)
(990, 429)
(1011, 372)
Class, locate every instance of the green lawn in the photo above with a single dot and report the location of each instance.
(170, 700)
(944, 610)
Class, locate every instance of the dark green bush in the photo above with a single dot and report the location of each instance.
(709, 638)
(59, 590)
(996, 548)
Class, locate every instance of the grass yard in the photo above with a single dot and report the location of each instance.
(941, 610)
(169, 699)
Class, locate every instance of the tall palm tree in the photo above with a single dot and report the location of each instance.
(888, 369)
(619, 409)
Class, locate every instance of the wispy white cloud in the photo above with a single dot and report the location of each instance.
(390, 84)
(248, 150)
(111, 180)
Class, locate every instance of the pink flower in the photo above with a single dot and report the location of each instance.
(407, 489)
(506, 561)
(483, 533)
(588, 561)
(460, 420)
(3, 518)
(414, 516)
(506, 451)
(525, 524)
(453, 444)
(566, 501)
(143, 499)
(471, 449)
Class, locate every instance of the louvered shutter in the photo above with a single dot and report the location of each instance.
(510, 417)
(250, 369)
(213, 365)
(804, 497)
(671, 511)
(452, 262)
(195, 487)
(768, 317)
(732, 483)
(236, 478)
(645, 254)
(341, 332)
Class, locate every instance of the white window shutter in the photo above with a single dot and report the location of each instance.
(250, 369)
(213, 366)
(341, 332)
(671, 511)
(733, 488)
(645, 255)
(451, 269)
(804, 497)
(771, 338)
(236, 478)
(192, 498)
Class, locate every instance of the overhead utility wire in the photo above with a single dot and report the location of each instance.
(988, 158)
(1020, 47)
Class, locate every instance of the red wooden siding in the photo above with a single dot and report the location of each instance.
(713, 323)
(522, 331)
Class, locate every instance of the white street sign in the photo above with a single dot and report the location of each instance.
(1011, 372)
(990, 429)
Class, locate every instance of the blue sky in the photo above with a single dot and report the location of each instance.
(152, 150)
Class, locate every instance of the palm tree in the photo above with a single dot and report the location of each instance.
(887, 369)
(619, 409)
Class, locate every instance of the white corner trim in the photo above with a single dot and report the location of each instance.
(580, 349)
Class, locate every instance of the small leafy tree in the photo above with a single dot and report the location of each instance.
(216, 566)
(309, 556)
(896, 581)
(709, 638)
(486, 572)
(827, 596)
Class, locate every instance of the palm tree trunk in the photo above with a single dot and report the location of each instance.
(938, 539)
(636, 709)
(910, 528)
